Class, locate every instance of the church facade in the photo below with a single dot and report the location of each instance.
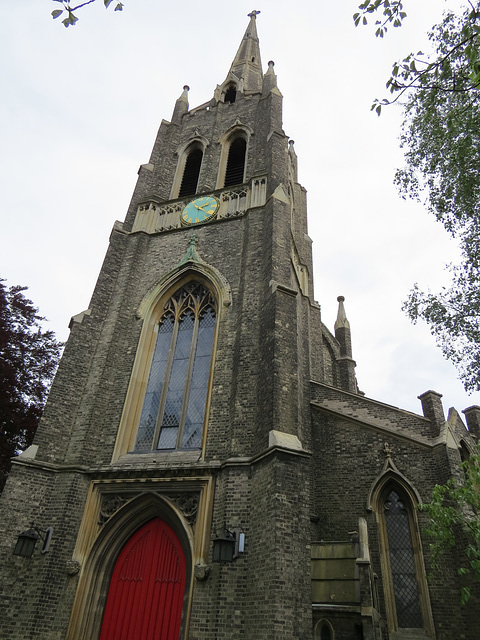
(207, 465)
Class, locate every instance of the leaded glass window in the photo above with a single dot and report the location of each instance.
(174, 406)
(402, 563)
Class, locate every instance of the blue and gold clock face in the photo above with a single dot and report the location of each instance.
(200, 210)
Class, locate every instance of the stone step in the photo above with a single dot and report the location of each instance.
(409, 634)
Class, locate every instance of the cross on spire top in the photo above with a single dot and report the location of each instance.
(254, 14)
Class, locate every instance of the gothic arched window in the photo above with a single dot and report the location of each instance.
(191, 172)
(175, 399)
(402, 561)
(236, 162)
(230, 94)
(324, 630)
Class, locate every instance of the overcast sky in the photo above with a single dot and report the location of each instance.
(80, 109)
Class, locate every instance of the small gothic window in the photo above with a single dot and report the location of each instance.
(230, 94)
(174, 406)
(191, 173)
(402, 563)
(236, 162)
(323, 630)
(464, 452)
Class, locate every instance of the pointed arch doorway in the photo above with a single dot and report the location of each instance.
(145, 597)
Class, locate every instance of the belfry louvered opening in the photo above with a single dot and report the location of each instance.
(236, 162)
(230, 94)
(191, 173)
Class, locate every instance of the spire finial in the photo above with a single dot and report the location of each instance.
(191, 254)
(181, 105)
(341, 316)
(254, 14)
(387, 450)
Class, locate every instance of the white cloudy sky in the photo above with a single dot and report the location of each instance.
(79, 111)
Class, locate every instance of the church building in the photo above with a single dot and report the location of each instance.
(206, 467)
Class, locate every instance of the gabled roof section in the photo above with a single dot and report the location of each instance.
(247, 64)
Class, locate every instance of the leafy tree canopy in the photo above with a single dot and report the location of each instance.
(28, 360)
(440, 138)
(68, 8)
(455, 41)
(455, 508)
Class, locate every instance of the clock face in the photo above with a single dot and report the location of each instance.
(200, 210)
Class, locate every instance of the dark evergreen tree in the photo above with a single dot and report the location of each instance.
(28, 360)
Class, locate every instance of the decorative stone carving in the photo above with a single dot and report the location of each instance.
(188, 505)
(110, 505)
(387, 450)
(72, 567)
(201, 571)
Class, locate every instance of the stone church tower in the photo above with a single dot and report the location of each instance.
(206, 462)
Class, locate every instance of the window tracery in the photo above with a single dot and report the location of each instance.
(175, 400)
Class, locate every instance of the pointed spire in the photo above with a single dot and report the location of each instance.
(293, 160)
(341, 322)
(346, 364)
(269, 79)
(247, 64)
(181, 105)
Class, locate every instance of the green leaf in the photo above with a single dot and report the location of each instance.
(56, 13)
(69, 20)
(107, 3)
(465, 595)
(119, 7)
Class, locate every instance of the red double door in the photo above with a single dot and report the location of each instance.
(145, 596)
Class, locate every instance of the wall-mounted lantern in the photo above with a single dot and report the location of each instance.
(228, 546)
(28, 539)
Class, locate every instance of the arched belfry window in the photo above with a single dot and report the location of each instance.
(175, 400)
(235, 170)
(230, 94)
(191, 172)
